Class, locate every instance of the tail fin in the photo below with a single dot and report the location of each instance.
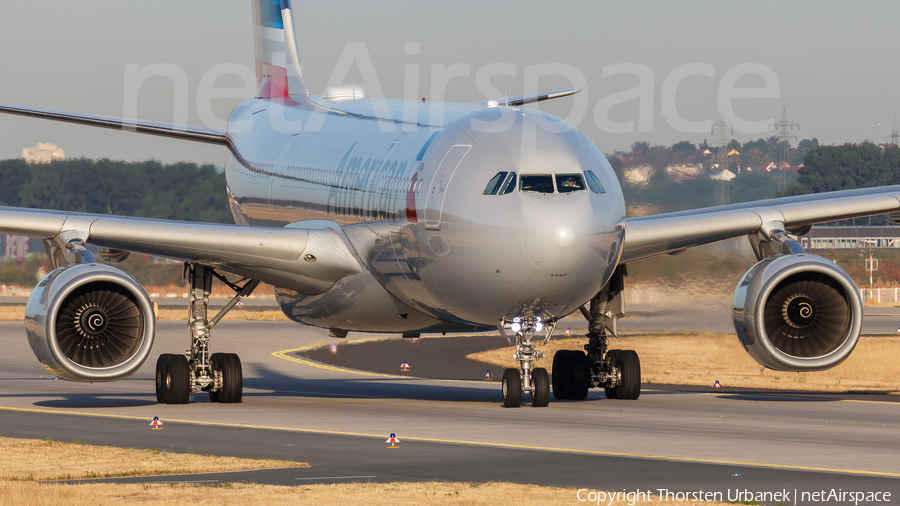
(278, 71)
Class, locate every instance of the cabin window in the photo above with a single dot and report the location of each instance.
(537, 183)
(567, 183)
(495, 183)
(594, 182)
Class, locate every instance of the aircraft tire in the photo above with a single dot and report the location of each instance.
(178, 388)
(215, 364)
(560, 387)
(631, 375)
(232, 379)
(540, 397)
(512, 388)
(612, 358)
(161, 371)
(578, 375)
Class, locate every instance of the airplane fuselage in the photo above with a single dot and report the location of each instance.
(406, 184)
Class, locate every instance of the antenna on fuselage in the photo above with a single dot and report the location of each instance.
(506, 95)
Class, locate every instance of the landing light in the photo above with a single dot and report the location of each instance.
(516, 326)
(538, 327)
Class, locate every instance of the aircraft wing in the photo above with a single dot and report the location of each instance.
(308, 260)
(648, 236)
(189, 133)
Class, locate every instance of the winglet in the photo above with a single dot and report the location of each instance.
(530, 99)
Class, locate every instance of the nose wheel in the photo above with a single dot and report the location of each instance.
(512, 388)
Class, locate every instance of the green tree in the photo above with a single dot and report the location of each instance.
(831, 168)
(641, 147)
(808, 144)
(684, 147)
(180, 191)
(768, 147)
(753, 158)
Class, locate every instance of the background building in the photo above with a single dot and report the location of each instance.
(43, 153)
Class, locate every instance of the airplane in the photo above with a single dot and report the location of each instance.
(372, 215)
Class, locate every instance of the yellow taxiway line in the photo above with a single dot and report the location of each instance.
(284, 354)
(291, 355)
(473, 443)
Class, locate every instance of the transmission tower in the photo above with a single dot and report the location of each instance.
(723, 141)
(784, 138)
(784, 142)
(723, 188)
(895, 135)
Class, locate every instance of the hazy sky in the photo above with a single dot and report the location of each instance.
(834, 61)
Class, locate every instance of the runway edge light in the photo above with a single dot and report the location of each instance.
(156, 424)
(393, 441)
(717, 385)
(404, 366)
(488, 376)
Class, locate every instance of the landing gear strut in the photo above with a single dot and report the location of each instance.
(197, 370)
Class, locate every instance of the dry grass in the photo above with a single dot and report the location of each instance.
(17, 313)
(371, 494)
(33, 459)
(701, 359)
(234, 314)
(24, 460)
(12, 313)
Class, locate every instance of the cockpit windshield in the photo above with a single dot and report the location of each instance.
(538, 183)
(495, 183)
(566, 183)
(504, 183)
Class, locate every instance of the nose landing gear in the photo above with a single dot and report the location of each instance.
(535, 382)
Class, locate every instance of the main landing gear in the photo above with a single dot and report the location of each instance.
(197, 370)
(618, 372)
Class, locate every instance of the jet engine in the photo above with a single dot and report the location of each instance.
(90, 322)
(797, 313)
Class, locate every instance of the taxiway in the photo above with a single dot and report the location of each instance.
(337, 419)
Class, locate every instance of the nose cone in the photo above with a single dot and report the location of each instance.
(560, 236)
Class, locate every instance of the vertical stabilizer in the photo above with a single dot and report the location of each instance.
(278, 70)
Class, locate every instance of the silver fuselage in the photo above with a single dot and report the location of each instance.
(440, 254)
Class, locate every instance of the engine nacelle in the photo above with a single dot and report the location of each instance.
(90, 322)
(797, 313)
